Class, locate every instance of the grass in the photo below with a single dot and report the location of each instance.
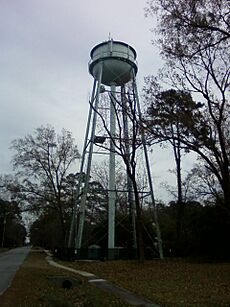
(173, 282)
(31, 288)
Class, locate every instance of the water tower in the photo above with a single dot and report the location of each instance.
(113, 66)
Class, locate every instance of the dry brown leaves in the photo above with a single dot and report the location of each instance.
(168, 282)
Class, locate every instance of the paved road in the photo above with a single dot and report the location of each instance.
(9, 264)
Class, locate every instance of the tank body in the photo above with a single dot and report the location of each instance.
(118, 62)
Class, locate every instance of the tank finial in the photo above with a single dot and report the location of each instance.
(110, 38)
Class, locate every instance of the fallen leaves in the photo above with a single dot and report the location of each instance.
(173, 282)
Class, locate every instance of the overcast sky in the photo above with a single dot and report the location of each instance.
(44, 54)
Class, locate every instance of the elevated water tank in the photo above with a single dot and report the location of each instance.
(118, 62)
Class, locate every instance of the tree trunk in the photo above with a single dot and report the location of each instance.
(139, 225)
(180, 205)
(62, 224)
(226, 192)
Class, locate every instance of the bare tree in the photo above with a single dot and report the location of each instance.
(126, 143)
(168, 114)
(194, 37)
(43, 162)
